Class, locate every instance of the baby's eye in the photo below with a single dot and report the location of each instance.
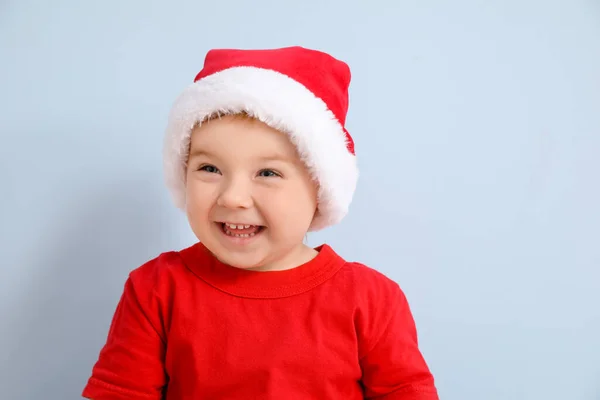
(209, 168)
(268, 173)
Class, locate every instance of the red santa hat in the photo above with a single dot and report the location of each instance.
(300, 92)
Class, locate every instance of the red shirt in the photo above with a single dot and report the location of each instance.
(190, 327)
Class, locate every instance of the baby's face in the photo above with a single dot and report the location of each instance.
(250, 199)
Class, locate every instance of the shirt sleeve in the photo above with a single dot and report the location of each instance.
(131, 363)
(393, 367)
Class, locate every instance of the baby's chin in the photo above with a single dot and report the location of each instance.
(246, 262)
(248, 259)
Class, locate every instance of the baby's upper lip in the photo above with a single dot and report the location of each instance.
(238, 223)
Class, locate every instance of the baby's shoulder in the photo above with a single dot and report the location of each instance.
(364, 271)
(160, 272)
(368, 283)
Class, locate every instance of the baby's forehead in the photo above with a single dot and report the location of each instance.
(242, 135)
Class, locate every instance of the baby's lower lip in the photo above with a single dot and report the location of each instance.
(241, 233)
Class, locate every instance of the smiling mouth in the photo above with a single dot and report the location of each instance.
(240, 230)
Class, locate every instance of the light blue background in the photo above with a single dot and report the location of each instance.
(477, 127)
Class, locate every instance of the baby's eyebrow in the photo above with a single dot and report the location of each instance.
(267, 157)
(198, 153)
(275, 157)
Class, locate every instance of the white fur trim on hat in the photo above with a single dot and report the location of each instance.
(282, 103)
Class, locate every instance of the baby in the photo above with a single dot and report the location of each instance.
(257, 155)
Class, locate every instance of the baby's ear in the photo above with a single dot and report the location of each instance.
(317, 193)
(316, 213)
